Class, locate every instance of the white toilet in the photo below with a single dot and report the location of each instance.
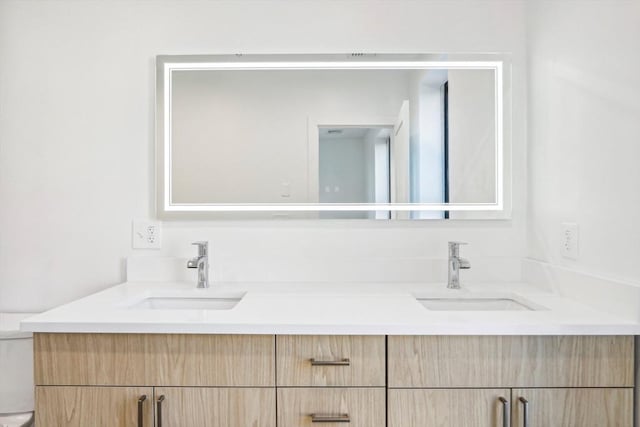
(16, 372)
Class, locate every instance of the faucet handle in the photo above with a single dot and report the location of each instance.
(203, 248)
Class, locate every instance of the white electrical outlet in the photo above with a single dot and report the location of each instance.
(569, 242)
(146, 235)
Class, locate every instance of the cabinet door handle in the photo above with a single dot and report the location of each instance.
(140, 410)
(159, 411)
(525, 411)
(341, 362)
(327, 418)
(505, 412)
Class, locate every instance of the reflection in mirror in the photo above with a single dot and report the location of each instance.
(355, 168)
(319, 136)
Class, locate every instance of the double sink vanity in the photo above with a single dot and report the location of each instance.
(365, 355)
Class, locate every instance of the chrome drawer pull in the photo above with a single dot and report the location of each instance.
(324, 418)
(140, 410)
(341, 362)
(505, 412)
(159, 411)
(525, 411)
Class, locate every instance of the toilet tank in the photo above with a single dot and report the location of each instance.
(16, 365)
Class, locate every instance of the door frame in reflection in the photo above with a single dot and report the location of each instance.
(355, 166)
(313, 150)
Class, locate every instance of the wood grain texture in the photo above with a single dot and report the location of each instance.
(218, 407)
(366, 356)
(154, 359)
(365, 406)
(92, 406)
(587, 407)
(510, 361)
(446, 407)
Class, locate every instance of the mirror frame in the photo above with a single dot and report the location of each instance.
(167, 64)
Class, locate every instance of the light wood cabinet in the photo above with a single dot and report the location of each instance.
(583, 381)
(216, 407)
(95, 368)
(343, 379)
(571, 407)
(447, 407)
(306, 407)
(60, 406)
(429, 381)
(329, 360)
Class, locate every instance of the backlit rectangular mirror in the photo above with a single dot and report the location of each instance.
(332, 136)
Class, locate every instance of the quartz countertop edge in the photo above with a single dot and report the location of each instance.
(326, 309)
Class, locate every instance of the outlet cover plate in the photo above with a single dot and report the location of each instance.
(146, 235)
(569, 243)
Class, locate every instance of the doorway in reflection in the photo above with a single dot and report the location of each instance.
(355, 167)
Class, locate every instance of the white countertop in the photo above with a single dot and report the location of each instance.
(363, 309)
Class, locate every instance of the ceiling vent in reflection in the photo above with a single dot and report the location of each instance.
(334, 131)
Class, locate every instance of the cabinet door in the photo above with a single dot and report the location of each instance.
(94, 406)
(570, 407)
(448, 407)
(215, 407)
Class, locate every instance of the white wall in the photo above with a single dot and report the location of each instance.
(76, 135)
(472, 136)
(584, 140)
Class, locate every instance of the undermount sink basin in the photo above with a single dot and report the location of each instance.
(188, 303)
(474, 304)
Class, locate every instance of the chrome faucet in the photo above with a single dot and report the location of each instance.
(455, 265)
(201, 262)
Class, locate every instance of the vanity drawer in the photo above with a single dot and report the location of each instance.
(154, 359)
(319, 360)
(510, 361)
(307, 407)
